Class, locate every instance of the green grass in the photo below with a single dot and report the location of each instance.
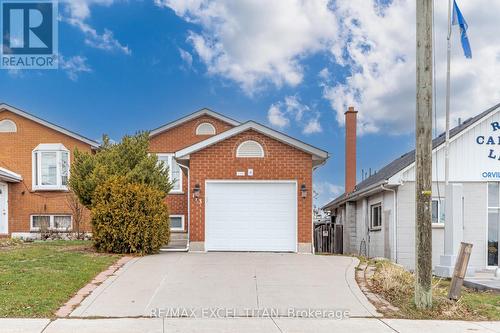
(37, 278)
(487, 303)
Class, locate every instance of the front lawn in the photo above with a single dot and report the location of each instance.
(37, 278)
(395, 285)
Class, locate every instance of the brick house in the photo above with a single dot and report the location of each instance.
(237, 186)
(35, 157)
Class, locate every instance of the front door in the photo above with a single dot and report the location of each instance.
(4, 223)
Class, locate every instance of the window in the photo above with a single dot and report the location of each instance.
(205, 129)
(438, 211)
(50, 167)
(7, 126)
(250, 148)
(376, 216)
(51, 222)
(177, 222)
(174, 171)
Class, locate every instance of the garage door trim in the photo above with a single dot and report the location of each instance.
(270, 181)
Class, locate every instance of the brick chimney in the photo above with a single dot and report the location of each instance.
(350, 149)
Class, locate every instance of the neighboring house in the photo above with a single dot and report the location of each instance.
(237, 186)
(35, 158)
(378, 214)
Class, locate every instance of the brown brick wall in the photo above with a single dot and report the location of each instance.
(16, 155)
(176, 139)
(281, 162)
(350, 150)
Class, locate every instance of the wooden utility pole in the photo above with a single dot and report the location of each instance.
(423, 158)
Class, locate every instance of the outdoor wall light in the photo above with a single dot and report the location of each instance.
(303, 190)
(196, 191)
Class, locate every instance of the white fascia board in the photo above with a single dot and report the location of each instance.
(192, 116)
(45, 123)
(317, 153)
(10, 176)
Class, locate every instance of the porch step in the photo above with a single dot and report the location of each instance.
(178, 235)
(178, 243)
(170, 248)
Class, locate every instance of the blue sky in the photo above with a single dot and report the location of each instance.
(134, 65)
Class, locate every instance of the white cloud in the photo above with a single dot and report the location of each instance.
(325, 192)
(324, 74)
(257, 42)
(380, 48)
(186, 57)
(312, 126)
(74, 66)
(276, 117)
(79, 12)
(281, 114)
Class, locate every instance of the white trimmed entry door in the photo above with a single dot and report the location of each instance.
(4, 223)
(251, 216)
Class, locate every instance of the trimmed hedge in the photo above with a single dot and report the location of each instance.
(129, 217)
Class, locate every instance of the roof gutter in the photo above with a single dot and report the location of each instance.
(356, 195)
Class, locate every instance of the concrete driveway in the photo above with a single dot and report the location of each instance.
(246, 283)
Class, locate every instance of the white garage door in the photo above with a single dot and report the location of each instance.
(251, 216)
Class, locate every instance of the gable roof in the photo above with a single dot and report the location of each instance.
(192, 116)
(319, 155)
(408, 159)
(24, 114)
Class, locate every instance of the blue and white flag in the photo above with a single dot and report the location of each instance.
(458, 19)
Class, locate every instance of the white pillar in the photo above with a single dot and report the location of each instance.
(453, 230)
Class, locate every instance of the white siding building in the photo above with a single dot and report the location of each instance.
(379, 215)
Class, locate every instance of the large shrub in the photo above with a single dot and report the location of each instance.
(129, 159)
(129, 218)
(124, 187)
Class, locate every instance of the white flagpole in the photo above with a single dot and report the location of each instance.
(447, 133)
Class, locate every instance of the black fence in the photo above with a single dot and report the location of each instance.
(328, 238)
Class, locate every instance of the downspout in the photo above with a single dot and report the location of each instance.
(394, 219)
(189, 202)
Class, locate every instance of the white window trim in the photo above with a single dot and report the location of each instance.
(438, 224)
(51, 222)
(372, 227)
(37, 167)
(170, 157)
(241, 144)
(205, 123)
(182, 221)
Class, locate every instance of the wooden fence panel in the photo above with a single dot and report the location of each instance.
(324, 238)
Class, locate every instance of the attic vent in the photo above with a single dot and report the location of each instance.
(205, 129)
(7, 126)
(250, 149)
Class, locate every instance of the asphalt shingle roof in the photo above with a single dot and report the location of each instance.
(407, 159)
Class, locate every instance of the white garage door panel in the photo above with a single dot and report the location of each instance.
(251, 216)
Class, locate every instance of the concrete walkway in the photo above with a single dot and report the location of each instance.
(485, 280)
(239, 282)
(242, 325)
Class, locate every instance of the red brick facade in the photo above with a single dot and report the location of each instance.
(177, 138)
(16, 155)
(216, 162)
(281, 162)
